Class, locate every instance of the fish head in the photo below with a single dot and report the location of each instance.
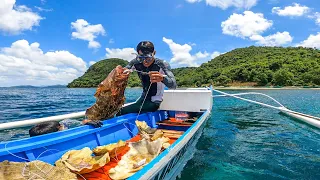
(119, 75)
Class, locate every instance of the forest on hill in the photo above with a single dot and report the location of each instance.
(260, 66)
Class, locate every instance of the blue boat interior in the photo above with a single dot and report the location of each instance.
(50, 147)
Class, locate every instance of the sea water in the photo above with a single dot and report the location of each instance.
(239, 141)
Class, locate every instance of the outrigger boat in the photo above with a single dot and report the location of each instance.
(167, 165)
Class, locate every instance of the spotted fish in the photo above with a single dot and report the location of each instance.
(109, 96)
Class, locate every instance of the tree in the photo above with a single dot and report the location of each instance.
(223, 80)
(283, 78)
(261, 79)
(250, 64)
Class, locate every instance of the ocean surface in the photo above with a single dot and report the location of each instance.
(240, 140)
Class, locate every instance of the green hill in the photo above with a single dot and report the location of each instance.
(277, 66)
(99, 71)
(261, 66)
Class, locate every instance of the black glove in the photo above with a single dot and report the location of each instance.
(95, 124)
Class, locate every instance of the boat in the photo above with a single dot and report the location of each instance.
(167, 165)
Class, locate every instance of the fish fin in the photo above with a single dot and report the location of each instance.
(98, 92)
(101, 88)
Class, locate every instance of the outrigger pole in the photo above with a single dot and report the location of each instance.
(30, 122)
(312, 120)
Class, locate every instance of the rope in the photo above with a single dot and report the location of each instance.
(248, 100)
(239, 94)
(24, 169)
(282, 108)
(145, 97)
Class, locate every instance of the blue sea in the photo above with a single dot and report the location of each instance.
(240, 140)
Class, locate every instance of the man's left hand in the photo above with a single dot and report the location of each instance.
(155, 76)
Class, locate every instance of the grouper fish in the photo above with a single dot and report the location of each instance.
(109, 96)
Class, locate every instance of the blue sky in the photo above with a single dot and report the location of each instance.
(45, 42)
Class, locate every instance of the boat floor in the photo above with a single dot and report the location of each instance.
(103, 172)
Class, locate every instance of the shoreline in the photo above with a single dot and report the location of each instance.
(218, 88)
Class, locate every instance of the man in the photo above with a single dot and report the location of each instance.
(154, 74)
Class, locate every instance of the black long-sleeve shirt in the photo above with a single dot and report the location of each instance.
(156, 89)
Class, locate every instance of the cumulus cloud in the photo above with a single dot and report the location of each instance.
(224, 4)
(274, 39)
(92, 63)
(245, 25)
(215, 54)
(295, 10)
(181, 54)
(15, 19)
(25, 63)
(251, 25)
(87, 32)
(316, 17)
(313, 41)
(125, 53)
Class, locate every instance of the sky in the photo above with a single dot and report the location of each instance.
(49, 42)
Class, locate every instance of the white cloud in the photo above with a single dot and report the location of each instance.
(15, 19)
(295, 10)
(25, 63)
(215, 54)
(245, 25)
(312, 41)
(274, 39)
(43, 9)
(224, 4)
(316, 16)
(181, 54)
(125, 53)
(87, 32)
(92, 63)
(201, 55)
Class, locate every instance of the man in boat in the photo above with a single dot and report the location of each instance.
(154, 74)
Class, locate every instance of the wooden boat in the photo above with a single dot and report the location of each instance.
(167, 165)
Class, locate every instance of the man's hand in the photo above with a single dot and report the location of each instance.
(155, 76)
(126, 72)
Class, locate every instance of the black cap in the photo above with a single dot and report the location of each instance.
(146, 47)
